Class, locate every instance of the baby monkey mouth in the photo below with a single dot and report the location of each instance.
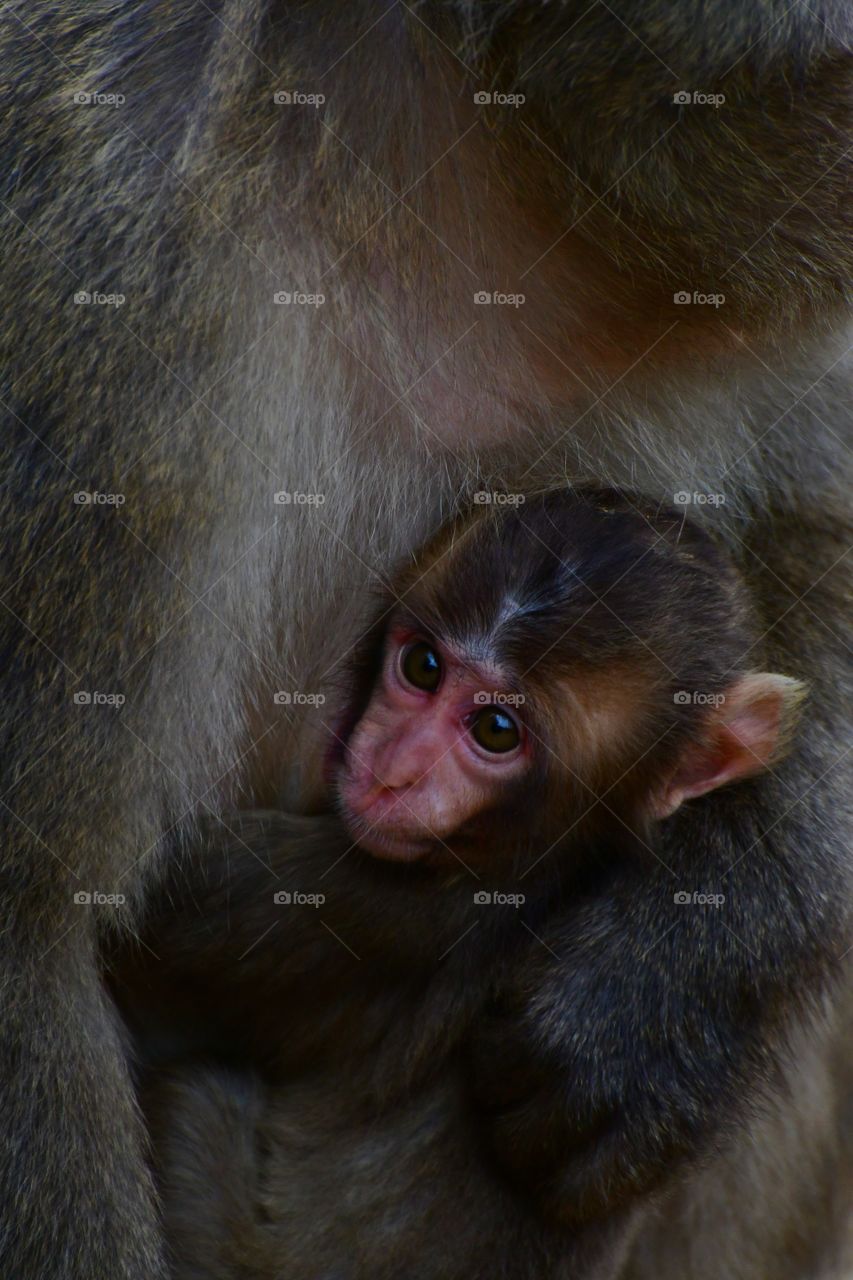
(379, 820)
(395, 844)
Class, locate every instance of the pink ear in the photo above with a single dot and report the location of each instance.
(743, 735)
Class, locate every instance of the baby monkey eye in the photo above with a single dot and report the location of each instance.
(495, 731)
(420, 666)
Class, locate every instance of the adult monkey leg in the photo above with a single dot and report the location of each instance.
(197, 198)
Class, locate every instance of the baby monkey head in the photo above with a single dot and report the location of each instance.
(551, 674)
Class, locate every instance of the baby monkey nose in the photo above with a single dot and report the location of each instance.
(404, 765)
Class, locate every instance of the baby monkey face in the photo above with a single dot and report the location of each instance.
(536, 675)
(440, 740)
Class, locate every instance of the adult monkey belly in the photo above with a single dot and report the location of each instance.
(151, 172)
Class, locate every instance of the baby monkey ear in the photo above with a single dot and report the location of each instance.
(746, 733)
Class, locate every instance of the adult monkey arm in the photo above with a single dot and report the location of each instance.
(197, 198)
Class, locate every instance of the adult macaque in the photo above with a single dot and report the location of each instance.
(543, 687)
(685, 270)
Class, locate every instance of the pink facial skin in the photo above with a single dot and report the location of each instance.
(412, 772)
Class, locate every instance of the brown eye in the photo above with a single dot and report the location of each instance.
(495, 731)
(420, 666)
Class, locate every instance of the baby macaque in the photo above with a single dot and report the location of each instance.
(569, 667)
(386, 1088)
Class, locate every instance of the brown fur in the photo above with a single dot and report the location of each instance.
(348, 1128)
(200, 398)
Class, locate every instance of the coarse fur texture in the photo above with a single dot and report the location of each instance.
(198, 198)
